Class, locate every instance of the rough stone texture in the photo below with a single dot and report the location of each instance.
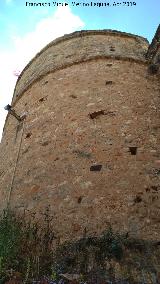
(103, 111)
(78, 47)
(153, 53)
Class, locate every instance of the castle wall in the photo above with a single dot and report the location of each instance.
(79, 47)
(153, 53)
(90, 145)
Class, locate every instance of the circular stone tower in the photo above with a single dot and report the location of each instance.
(89, 145)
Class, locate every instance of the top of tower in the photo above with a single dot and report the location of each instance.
(78, 47)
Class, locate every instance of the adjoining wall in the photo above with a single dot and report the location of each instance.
(153, 53)
(90, 146)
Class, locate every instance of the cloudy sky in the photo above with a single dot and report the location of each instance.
(25, 30)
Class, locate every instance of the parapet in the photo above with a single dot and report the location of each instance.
(79, 47)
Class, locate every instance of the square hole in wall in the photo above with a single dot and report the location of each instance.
(96, 113)
(112, 48)
(109, 64)
(73, 96)
(79, 199)
(133, 150)
(109, 82)
(28, 135)
(43, 99)
(95, 168)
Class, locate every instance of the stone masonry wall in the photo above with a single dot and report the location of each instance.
(90, 146)
(79, 47)
(153, 53)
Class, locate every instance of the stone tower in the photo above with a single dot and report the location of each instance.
(89, 145)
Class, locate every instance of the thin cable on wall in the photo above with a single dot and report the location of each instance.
(15, 167)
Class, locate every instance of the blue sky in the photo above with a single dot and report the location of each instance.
(25, 30)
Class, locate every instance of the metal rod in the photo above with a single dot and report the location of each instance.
(15, 167)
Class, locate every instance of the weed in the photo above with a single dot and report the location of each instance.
(27, 252)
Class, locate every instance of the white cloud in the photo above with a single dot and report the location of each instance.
(63, 21)
(8, 1)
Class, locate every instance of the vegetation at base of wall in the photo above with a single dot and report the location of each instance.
(10, 235)
(28, 255)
